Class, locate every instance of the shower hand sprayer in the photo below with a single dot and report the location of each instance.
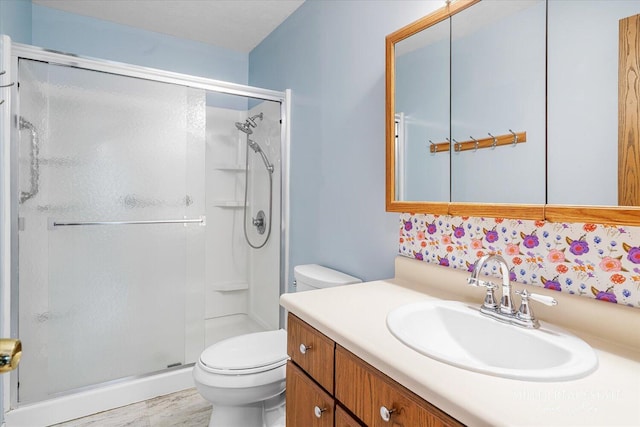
(256, 148)
(259, 220)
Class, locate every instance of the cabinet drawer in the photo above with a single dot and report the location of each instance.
(311, 350)
(365, 390)
(308, 405)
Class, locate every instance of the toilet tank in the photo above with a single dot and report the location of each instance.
(314, 276)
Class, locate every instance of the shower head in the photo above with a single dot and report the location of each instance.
(248, 124)
(252, 120)
(244, 127)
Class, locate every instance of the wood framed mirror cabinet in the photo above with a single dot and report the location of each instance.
(542, 116)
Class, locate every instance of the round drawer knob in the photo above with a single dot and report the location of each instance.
(318, 412)
(304, 348)
(385, 413)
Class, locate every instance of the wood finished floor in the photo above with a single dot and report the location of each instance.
(185, 408)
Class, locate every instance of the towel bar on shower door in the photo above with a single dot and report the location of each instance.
(202, 221)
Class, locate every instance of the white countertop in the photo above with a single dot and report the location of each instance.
(354, 316)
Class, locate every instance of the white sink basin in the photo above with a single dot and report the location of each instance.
(456, 333)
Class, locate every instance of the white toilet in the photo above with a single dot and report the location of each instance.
(244, 376)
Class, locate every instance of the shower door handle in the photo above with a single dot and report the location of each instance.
(34, 161)
(10, 354)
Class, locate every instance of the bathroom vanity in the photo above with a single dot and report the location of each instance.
(345, 364)
(348, 385)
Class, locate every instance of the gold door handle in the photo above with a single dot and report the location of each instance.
(10, 354)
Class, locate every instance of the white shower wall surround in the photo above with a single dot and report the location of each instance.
(241, 279)
(134, 144)
(264, 266)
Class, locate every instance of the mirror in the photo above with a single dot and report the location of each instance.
(583, 61)
(422, 73)
(498, 84)
(578, 126)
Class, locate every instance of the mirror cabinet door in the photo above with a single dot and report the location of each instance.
(560, 75)
(498, 87)
(422, 115)
(583, 53)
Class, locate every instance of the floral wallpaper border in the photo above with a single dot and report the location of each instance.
(594, 260)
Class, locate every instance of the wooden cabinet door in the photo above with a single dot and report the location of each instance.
(343, 419)
(365, 391)
(628, 112)
(308, 405)
(311, 350)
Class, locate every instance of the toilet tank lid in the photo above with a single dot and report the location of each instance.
(322, 277)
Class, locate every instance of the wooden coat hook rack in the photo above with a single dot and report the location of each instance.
(511, 138)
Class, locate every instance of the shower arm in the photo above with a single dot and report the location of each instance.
(34, 163)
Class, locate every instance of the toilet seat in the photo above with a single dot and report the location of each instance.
(246, 354)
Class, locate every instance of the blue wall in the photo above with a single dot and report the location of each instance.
(332, 55)
(67, 32)
(15, 20)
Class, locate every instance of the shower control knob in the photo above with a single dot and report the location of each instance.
(304, 348)
(259, 222)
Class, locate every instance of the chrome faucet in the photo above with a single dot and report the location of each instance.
(505, 312)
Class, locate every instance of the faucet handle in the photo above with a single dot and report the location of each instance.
(489, 302)
(474, 281)
(544, 299)
(525, 315)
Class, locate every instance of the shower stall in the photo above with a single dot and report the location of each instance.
(146, 221)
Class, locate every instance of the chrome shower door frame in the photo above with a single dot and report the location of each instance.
(9, 193)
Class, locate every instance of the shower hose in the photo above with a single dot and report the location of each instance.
(246, 187)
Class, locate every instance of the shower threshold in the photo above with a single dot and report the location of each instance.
(92, 400)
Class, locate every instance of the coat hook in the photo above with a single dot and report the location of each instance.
(435, 148)
(495, 141)
(515, 137)
(456, 145)
(475, 148)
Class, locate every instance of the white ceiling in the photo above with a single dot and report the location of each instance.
(233, 24)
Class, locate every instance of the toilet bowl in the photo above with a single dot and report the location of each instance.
(244, 376)
(238, 375)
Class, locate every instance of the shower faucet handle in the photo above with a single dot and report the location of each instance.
(258, 222)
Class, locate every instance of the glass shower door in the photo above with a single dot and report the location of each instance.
(111, 227)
